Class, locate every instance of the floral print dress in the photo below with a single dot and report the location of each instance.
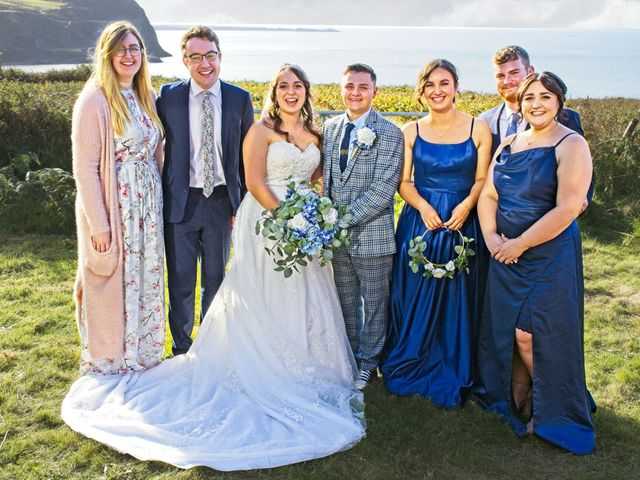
(140, 198)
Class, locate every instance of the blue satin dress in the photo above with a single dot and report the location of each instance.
(430, 340)
(545, 291)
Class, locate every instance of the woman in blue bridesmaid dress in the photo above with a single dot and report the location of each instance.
(429, 349)
(530, 351)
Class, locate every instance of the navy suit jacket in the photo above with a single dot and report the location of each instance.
(569, 118)
(173, 109)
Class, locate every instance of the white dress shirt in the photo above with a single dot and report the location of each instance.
(196, 94)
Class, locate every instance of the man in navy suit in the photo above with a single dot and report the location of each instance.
(205, 122)
(511, 65)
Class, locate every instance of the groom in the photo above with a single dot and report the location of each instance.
(363, 159)
(205, 122)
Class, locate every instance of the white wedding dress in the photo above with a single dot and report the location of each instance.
(268, 380)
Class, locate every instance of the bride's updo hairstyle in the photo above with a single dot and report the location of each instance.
(550, 81)
(425, 73)
(273, 109)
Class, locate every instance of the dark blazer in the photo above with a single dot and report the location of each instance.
(173, 109)
(569, 118)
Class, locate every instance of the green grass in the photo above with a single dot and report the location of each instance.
(407, 437)
(35, 4)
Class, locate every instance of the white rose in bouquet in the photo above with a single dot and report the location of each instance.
(298, 222)
(331, 216)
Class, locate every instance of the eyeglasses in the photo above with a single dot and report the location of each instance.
(197, 57)
(134, 50)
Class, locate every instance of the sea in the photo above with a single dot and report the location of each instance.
(593, 63)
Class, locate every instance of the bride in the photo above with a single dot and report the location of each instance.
(269, 379)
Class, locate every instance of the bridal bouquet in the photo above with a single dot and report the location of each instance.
(304, 225)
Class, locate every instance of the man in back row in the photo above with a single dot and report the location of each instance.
(511, 65)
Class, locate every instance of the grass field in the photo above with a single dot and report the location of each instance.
(407, 437)
(35, 4)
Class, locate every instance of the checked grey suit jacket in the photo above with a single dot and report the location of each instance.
(368, 184)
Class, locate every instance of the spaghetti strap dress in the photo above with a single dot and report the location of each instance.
(430, 340)
(543, 293)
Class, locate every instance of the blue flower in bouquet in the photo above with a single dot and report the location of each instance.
(309, 211)
(311, 248)
(326, 236)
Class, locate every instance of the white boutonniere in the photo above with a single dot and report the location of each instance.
(365, 137)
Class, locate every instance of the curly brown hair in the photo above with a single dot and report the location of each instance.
(273, 119)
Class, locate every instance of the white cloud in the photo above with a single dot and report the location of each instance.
(458, 13)
(618, 13)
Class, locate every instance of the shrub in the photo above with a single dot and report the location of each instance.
(37, 118)
(78, 74)
(42, 202)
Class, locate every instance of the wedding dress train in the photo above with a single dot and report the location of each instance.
(268, 380)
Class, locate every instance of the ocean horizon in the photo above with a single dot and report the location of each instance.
(595, 63)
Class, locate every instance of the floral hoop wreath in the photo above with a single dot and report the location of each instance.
(449, 269)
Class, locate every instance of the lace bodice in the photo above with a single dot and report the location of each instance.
(286, 162)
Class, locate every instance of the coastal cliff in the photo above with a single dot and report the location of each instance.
(58, 32)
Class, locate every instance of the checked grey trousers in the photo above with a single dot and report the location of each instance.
(363, 288)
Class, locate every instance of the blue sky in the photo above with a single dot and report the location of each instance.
(444, 13)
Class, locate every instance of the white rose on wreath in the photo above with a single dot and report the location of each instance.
(439, 273)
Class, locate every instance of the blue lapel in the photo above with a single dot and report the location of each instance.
(182, 118)
(227, 108)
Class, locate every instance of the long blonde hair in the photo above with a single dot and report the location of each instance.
(105, 77)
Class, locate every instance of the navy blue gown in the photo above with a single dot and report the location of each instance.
(429, 349)
(544, 290)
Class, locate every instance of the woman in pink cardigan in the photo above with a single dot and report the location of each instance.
(117, 160)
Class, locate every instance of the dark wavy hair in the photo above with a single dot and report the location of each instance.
(273, 111)
(425, 73)
(551, 82)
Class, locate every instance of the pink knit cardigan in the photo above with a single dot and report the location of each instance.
(100, 280)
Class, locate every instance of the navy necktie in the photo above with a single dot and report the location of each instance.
(513, 124)
(344, 147)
